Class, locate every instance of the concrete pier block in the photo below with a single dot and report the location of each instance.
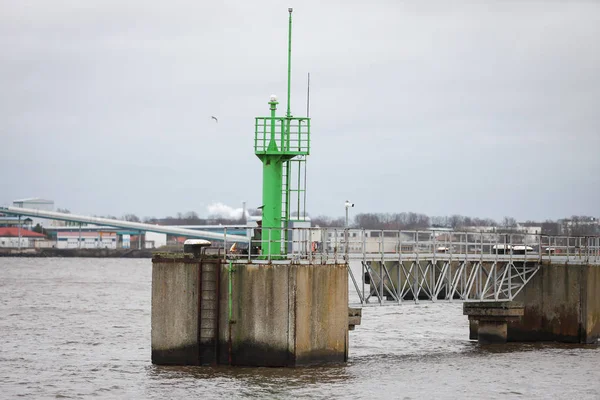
(206, 311)
(175, 311)
(561, 304)
(286, 315)
(492, 319)
(491, 331)
(473, 329)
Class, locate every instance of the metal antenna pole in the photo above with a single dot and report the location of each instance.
(308, 97)
(289, 77)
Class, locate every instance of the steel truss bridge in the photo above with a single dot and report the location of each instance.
(434, 279)
(413, 266)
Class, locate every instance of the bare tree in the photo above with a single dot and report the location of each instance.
(456, 221)
(131, 218)
(328, 222)
(191, 215)
(509, 222)
(550, 227)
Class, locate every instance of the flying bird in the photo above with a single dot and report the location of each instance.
(215, 118)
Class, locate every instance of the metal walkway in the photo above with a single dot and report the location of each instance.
(413, 266)
(442, 280)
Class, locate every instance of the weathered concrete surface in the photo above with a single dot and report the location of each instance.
(321, 313)
(491, 319)
(562, 303)
(284, 315)
(174, 337)
(491, 332)
(206, 312)
(473, 329)
(591, 315)
(261, 315)
(493, 309)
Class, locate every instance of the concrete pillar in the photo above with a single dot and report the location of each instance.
(205, 311)
(175, 310)
(284, 315)
(561, 304)
(491, 331)
(473, 329)
(492, 319)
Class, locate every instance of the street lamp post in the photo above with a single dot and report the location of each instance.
(348, 205)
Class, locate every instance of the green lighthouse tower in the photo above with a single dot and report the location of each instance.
(282, 144)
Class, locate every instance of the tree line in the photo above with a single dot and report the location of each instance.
(576, 225)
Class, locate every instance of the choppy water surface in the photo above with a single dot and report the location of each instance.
(78, 328)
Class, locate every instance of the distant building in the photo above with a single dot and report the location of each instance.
(36, 203)
(530, 229)
(10, 221)
(9, 237)
(155, 240)
(86, 240)
(369, 240)
(579, 226)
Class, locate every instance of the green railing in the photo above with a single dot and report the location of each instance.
(291, 136)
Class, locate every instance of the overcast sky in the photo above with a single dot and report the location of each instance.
(487, 108)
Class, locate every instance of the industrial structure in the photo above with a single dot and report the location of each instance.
(282, 144)
(36, 203)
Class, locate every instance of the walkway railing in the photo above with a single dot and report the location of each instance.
(335, 245)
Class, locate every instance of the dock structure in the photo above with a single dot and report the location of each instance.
(208, 311)
(266, 309)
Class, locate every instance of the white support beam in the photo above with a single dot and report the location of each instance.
(190, 233)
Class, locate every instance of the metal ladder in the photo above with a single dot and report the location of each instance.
(208, 310)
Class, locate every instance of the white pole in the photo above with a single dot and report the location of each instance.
(346, 216)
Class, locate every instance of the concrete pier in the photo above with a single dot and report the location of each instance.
(562, 304)
(206, 311)
(175, 312)
(492, 319)
(473, 329)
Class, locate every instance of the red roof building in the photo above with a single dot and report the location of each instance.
(14, 232)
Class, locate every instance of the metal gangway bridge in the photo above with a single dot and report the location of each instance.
(430, 265)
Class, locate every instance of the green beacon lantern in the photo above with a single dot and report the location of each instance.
(282, 144)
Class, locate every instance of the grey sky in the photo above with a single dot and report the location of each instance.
(486, 109)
